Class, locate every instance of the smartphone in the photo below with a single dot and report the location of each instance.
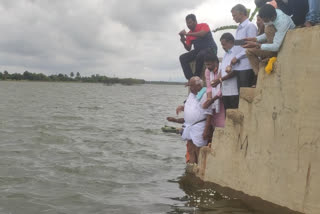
(239, 42)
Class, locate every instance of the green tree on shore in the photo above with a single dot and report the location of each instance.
(96, 78)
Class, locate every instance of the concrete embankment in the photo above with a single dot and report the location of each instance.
(270, 145)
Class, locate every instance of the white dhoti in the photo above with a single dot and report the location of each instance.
(193, 114)
(194, 133)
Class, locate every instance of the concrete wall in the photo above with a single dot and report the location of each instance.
(270, 145)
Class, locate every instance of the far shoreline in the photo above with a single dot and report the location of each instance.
(108, 84)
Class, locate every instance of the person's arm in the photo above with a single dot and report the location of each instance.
(261, 39)
(187, 47)
(282, 28)
(228, 76)
(206, 132)
(201, 33)
(184, 43)
(221, 79)
(250, 33)
(179, 109)
(184, 40)
(255, 42)
(210, 101)
(209, 89)
(175, 120)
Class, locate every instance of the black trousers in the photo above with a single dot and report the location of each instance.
(188, 57)
(299, 10)
(246, 78)
(230, 102)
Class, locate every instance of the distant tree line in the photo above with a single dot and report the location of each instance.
(71, 78)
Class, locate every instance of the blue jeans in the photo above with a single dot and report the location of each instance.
(313, 15)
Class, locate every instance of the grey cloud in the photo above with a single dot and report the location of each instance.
(149, 15)
(136, 38)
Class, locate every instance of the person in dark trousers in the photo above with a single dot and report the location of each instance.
(200, 37)
(228, 77)
(313, 16)
(243, 69)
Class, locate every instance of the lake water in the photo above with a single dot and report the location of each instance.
(90, 148)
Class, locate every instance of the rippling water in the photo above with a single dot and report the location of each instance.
(90, 148)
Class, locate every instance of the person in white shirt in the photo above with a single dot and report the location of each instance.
(197, 120)
(228, 78)
(240, 61)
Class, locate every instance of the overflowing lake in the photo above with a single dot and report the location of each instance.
(71, 148)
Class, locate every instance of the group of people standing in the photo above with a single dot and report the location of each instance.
(205, 107)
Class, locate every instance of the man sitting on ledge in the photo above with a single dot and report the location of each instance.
(282, 24)
(197, 121)
(201, 38)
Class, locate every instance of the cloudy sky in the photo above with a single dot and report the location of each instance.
(121, 38)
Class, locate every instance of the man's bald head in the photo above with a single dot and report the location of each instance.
(196, 84)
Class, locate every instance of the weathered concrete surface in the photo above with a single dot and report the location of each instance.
(270, 145)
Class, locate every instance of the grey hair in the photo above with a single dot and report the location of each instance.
(197, 80)
(241, 9)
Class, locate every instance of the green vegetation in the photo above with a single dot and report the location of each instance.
(65, 78)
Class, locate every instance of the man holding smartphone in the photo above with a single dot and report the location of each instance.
(240, 62)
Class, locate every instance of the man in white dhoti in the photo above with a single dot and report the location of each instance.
(197, 121)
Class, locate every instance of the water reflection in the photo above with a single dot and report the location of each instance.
(207, 198)
(200, 199)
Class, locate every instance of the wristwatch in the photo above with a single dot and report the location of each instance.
(258, 45)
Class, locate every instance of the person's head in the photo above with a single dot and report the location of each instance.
(195, 84)
(227, 41)
(267, 13)
(211, 62)
(191, 21)
(239, 13)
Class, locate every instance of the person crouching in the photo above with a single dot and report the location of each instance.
(197, 121)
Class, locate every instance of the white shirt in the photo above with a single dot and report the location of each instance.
(244, 30)
(193, 112)
(229, 86)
